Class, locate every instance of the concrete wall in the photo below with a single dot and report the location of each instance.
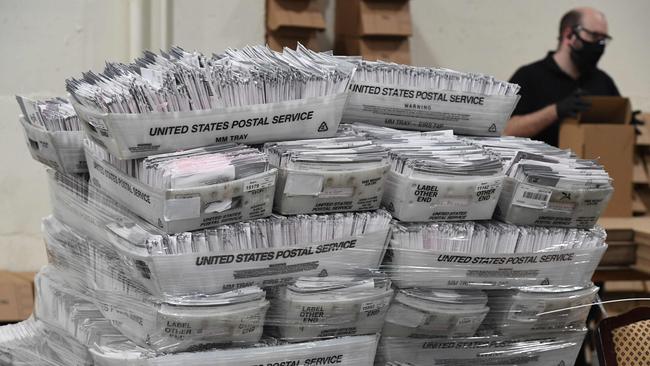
(43, 42)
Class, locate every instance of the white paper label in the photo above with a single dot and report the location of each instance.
(259, 183)
(532, 196)
(332, 192)
(487, 191)
(374, 305)
(467, 324)
(183, 208)
(526, 310)
(303, 184)
(407, 317)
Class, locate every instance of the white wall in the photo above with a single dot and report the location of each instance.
(44, 42)
(221, 24)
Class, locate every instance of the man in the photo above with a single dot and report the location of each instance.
(551, 88)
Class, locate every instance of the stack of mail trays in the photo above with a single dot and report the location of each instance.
(216, 212)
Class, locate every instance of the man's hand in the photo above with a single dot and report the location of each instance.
(572, 105)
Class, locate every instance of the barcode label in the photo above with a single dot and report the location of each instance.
(536, 196)
(531, 196)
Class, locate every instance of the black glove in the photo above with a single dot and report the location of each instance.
(572, 105)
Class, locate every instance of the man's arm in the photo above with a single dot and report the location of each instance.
(531, 124)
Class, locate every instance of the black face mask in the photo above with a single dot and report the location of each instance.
(586, 58)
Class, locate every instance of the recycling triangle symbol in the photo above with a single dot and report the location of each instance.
(323, 127)
(323, 273)
(561, 363)
(546, 282)
(493, 128)
(390, 207)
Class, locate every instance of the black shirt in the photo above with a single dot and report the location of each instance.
(544, 83)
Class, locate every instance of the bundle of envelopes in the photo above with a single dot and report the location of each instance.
(440, 178)
(507, 147)
(162, 323)
(264, 252)
(328, 175)
(69, 314)
(492, 255)
(554, 191)
(189, 189)
(53, 133)
(190, 168)
(178, 80)
(427, 312)
(551, 349)
(430, 313)
(65, 309)
(538, 309)
(34, 343)
(179, 100)
(429, 99)
(323, 307)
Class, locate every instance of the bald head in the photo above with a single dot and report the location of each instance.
(588, 18)
(593, 20)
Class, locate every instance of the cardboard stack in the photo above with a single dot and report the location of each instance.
(641, 167)
(291, 21)
(16, 296)
(374, 29)
(622, 247)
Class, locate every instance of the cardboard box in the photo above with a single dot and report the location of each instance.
(306, 14)
(27, 276)
(643, 136)
(639, 207)
(16, 297)
(642, 193)
(624, 286)
(604, 133)
(290, 37)
(373, 18)
(619, 253)
(394, 49)
(619, 235)
(642, 264)
(639, 174)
